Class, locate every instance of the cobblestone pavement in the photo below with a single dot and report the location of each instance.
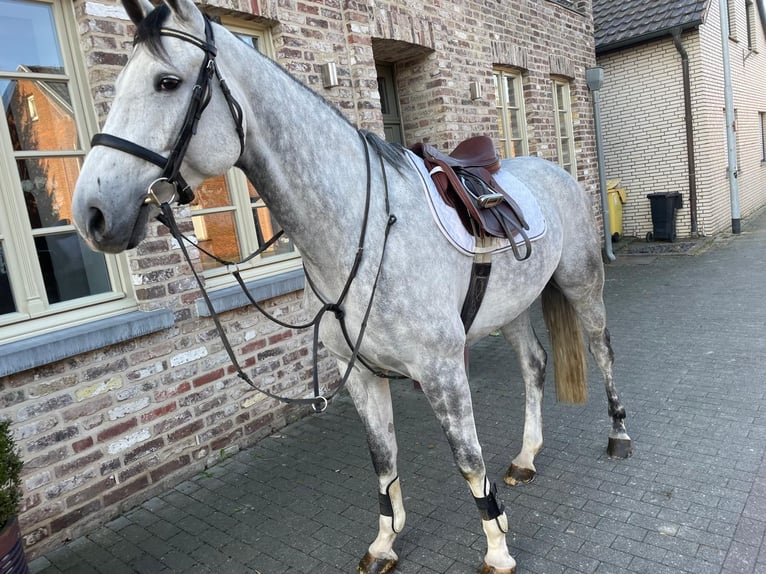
(689, 333)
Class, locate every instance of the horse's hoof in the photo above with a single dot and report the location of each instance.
(619, 447)
(487, 569)
(516, 475)
(371, 565)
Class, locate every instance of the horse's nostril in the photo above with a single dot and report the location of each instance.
(96, 223)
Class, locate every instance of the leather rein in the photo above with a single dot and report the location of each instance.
(172, 180)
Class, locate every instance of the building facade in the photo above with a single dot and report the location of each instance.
(110, 367)
(648, 142)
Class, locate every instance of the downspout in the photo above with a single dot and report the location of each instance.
(731, 140)
(689, 120)
(594, 77)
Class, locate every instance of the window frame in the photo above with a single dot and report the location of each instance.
(567, 132)
(504, 111)
(241, 205)
(762, 132)
(34, 313)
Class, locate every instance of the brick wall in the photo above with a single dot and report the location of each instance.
(644, 128)
(102, 430)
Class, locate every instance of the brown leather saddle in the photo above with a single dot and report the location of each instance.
(465, 182)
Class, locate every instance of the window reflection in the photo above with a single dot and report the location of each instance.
(28, 37)
(70, 269)
(212, 192)
(48, 185)
(266, 226)
(39, 115)
(44, 143)
(217, 234)
(251, 41)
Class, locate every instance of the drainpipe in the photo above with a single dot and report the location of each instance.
(731, 141)
(594, 77)
(689, 128)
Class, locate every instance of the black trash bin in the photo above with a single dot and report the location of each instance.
(664, 207)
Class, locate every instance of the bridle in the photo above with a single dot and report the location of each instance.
(171, 178)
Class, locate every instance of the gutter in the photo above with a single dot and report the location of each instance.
(689, 121)
(664, 32)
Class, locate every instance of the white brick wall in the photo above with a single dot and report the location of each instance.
(645, 142)
(643, 115)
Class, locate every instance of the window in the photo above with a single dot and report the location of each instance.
(562, 110)
(731, 10)
(32, 108)
(511, 118)
(48, 276)
(229, 217)
(750, 23)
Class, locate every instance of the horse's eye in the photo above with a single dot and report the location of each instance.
(168, 83)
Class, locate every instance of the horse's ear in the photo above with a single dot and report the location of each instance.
(137, 9)
(183, 9)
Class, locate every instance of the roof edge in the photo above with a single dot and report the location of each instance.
(644, 38)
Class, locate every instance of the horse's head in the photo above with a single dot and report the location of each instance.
(140, 159)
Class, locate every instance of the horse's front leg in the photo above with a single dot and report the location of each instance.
(446, 387)
(532, 359)
(372, 398)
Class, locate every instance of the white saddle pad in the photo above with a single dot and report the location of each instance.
(453, 229)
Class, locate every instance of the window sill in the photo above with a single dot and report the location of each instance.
(40, 350)
(232, 297)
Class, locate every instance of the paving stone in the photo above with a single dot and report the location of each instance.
(303, 500)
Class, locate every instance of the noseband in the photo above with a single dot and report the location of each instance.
(171, 166)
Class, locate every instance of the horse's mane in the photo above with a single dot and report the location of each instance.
(393, 153)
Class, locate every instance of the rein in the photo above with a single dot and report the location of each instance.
(201, 93)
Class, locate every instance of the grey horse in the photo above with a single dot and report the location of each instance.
(309, 165)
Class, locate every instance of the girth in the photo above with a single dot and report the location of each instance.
(477, 287)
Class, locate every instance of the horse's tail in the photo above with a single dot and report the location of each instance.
(569, 361)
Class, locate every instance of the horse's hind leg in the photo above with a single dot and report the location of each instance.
(372, 398)
(620, 444)
(532, 358)
(588, 303)
(445, 385)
